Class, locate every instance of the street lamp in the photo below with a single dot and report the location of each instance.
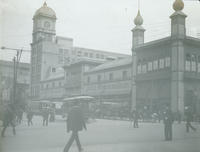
(16, 61)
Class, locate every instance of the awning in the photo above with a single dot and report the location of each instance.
(79, 98)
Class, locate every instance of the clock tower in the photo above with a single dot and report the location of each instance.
(44, 21)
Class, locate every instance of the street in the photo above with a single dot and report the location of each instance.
(101, 136)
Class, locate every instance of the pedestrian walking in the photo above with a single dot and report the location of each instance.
(168, 121)
(189, 119)
(9, 119)
(75, 123)
(30, 116)
(19, 115)
(45, 115)
(135, 119)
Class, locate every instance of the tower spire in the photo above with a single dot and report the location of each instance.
(138, 4)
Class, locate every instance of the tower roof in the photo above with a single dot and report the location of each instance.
(138, 19)
(178, 5)
(45, 11)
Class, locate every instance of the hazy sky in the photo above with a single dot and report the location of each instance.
(97, 24)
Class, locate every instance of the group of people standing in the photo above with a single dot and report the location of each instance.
(168, 118)
(76, 122)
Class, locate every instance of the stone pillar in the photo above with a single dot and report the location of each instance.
(177, 77)
(178, 33)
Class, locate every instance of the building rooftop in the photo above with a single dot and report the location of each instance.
(112, 64)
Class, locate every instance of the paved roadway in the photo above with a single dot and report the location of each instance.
(101, 136)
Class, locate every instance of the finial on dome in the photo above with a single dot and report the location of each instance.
(45, 4)
(178, 5)
(138, 19)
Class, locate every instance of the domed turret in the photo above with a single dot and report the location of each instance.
(178, 5)
(45, 11)
(138, 19)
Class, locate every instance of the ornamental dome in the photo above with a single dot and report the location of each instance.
(178, 5)
(45, 11)
(138, 19)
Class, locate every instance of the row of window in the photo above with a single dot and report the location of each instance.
(192, 66)
(192, 63)
(144, 67)
(51, 85)
(64, 52)
(111, 77)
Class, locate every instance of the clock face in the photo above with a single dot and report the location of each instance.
(46, 24)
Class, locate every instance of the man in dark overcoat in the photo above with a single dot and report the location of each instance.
(168, 121)
(75, 123)
(8, 119)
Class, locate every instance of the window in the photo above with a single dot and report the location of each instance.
(198, 64)
(193, 63)
(60, 84)
(99, 78)
(53, 84)
(41, 86)
(139, 67)
(102, 56)
(97, 55)
(47, 86)
(86, 54)
(161, 63)
(188, 62)
(167, 62)
(79, 53)
(144, 66)
(155, 64)
(111, 76)
(60, 51)
(91, 55)
(66, 51)
(150, 66)
(53, 69)
(88, 79)
(125, 75)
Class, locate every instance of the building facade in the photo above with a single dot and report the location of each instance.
(110, 82)
(166, 70)
(6, 81)
(49, 51)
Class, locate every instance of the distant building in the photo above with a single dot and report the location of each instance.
(74, 75)
(53, 87)
(110, 82)
(49, 50)
(6, 81)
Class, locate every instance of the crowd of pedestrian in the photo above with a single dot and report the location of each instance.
(76, 120)
(13, 115)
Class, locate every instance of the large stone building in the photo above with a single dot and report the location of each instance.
(6, 81)
(50, 52)
(166, 71)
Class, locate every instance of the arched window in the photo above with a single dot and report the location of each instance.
(193, 62)
(198, 64)
(161, 63)
(188, 62)
(155, 65)
(144, 66)
(139, 66)
(150, 66)
(167, 62)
